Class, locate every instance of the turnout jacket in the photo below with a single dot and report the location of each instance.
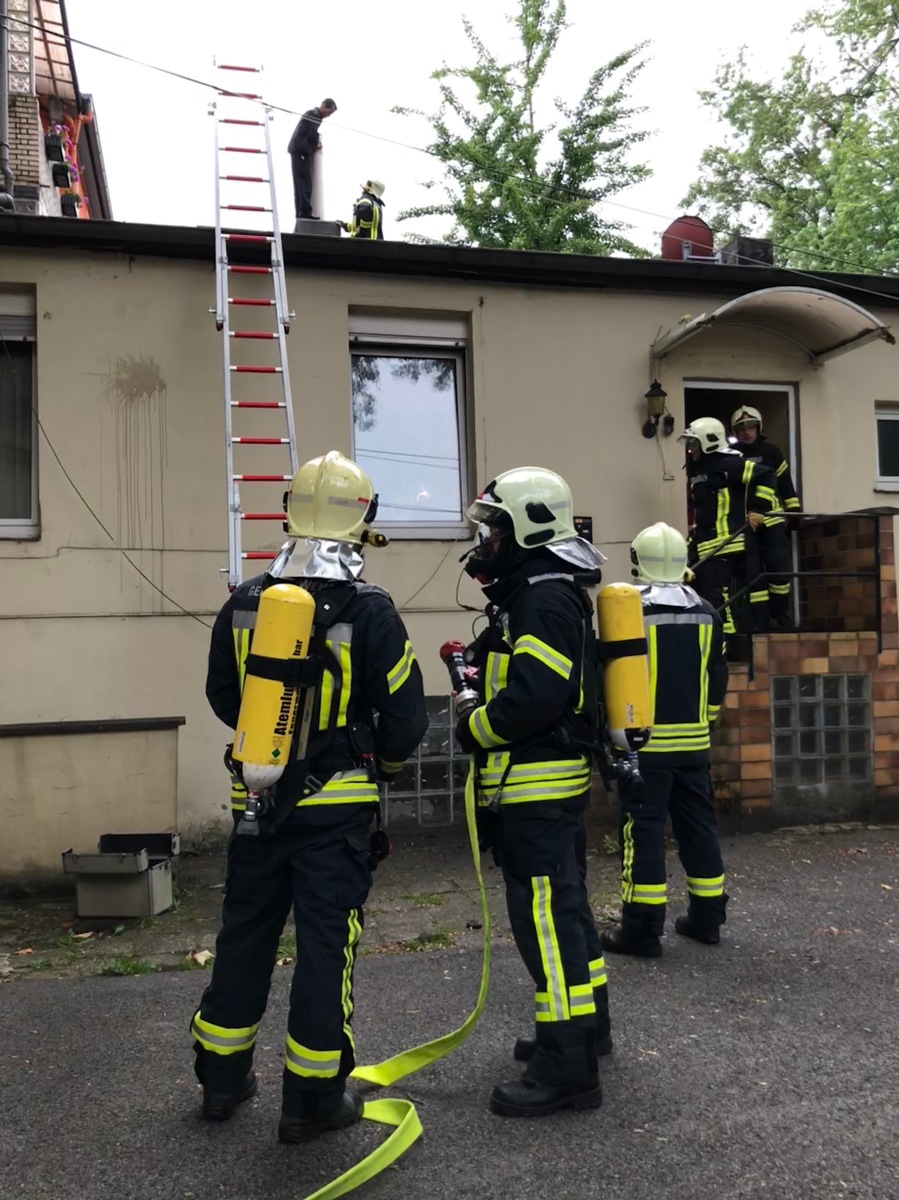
(532, 661)
(369, 668)
(687, 674)
(765, 452)
(724, 487)
(368, 218)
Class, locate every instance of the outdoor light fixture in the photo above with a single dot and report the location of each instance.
(656, 409)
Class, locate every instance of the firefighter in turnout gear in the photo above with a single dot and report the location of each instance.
(773, 543)
(727, 491)
(688, 680)
(527, 740)
(320, 840)
(368, 213)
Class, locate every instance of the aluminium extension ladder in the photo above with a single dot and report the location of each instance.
(249, 108)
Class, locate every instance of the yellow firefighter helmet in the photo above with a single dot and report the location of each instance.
(537, 501)
(709, 432)
(659, 555)
(331, 498)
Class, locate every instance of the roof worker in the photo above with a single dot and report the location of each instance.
(688, 673)
(773, 544)
(315, 848)
(304, 142)
(367, 220)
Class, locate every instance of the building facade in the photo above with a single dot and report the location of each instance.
(437, 368)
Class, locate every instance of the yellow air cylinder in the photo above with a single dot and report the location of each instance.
(628, 704)
(268, 707)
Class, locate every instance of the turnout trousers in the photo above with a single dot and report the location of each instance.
(686, 794)
(324, 874)
(722, 577)
(541, 848)
(301, 168)
(774, 551)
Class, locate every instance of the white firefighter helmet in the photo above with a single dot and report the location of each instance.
(709, 432)
(659, 555)
(745, 415)
(536, 500)
(331, 498)
(375, 186)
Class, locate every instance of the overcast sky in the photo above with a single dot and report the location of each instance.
(157, 138)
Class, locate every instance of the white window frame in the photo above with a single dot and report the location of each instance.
(400, 335)
(17, 324)
(884, 412)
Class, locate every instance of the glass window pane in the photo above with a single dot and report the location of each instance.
(833, 743)
(833, 686)
(808, 685)
(784, 771)
(434, 777)
(440, 710)
(783, 688)
(859, 741)
(406, 781)
(810, 770)
(436, 742)
(406, 434)
(887, 448)
(858, 684)
(436, 810)
(857, 714)
(810, 743)
(808, 716)
(833, 768)
(783, 718)
(833, 715)
(16, 431)
(784, 745)
(859, 768)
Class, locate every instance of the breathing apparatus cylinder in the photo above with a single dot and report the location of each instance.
(626, 694)
(270, 700)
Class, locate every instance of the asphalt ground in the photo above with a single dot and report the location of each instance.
(766, 1067)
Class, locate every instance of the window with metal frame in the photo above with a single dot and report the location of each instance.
(887, 422)
(18, 427)
(430, 789)
(408, 388)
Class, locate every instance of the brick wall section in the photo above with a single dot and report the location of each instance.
(26, 143)
(831, 604)
(742, 745)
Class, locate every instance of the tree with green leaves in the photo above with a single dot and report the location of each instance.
(510, 181)
(812, 160)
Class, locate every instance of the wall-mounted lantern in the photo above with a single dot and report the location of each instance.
(656, 410)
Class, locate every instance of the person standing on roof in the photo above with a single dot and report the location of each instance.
(305, 142)
(771, 537)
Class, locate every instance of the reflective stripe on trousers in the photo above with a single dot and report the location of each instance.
(219, 1040)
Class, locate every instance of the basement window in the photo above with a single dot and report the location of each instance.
(431, 787)
(408, 388)
(821, 729)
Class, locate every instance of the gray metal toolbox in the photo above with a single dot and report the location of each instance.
(131, 876)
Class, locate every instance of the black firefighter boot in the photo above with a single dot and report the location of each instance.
(219, 1105)
(321, 1117)
(639, 932)
(705, 916)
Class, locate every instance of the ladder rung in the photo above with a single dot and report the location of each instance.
(238, 121)
(240, 95)
(242, 150)
(262, 516)
(246, 333)
(258, 370)
(247, 237)
(249, 270)
(260, 554)
(246, 207)
(258, 404)
(250, 70)
(241, 441)
(262, 478)
(245, 178)
(249, 301)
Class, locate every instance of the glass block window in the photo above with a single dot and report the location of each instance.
(430, 789)
(821, 729)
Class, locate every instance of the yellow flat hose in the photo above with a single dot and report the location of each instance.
(401, 1114)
